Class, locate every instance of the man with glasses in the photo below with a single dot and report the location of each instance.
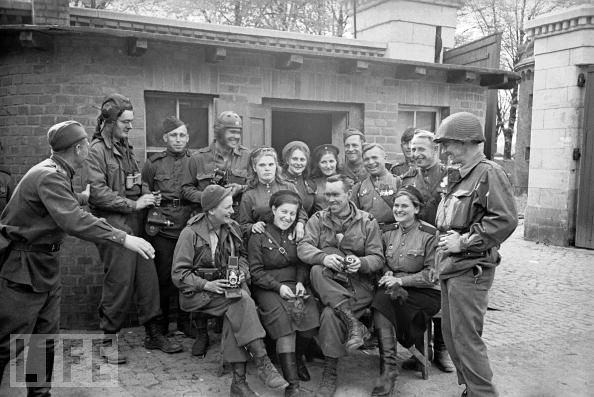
(225, 163)
(118, 196)
(43, 209)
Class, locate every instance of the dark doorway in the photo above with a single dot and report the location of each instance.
(313, 128)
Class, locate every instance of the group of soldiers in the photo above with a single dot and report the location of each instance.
(194, 200)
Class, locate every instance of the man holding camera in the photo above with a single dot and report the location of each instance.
(211, 270)
(163, 172)
(343, 245)
(118, 196)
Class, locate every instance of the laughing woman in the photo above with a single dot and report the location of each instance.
(264, 179)
(278, 278)
(295, 169)
(324, 165)
(410, 255)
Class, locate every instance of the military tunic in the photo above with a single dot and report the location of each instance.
(410, 255)
(269, 269)
(43, 209)
(401, 168)
(194, 251)
(306, 189)
(208, 166)
(356, 172)
(429, 183)
(375, 194)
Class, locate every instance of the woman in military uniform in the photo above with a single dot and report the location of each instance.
(409, 249)
(264, 179)
(323, 165)
(295, 169)
(278, 284)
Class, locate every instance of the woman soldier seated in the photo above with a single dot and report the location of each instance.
(203, 270)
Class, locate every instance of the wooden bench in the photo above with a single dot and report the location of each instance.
(423, 356)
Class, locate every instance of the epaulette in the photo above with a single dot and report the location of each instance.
(427, 228)
(157, 156)
(193, 219)
(387, 228)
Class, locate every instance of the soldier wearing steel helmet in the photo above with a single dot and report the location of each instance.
(477, 214)
(224, 162)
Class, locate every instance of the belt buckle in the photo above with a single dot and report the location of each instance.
(175, 203)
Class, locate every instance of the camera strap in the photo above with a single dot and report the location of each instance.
(214, 241)
(274, 241)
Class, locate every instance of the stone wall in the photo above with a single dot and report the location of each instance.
(40, 88)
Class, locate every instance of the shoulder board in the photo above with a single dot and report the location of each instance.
(427, 228)
(392, 226)
(243, 148)
(205, 149)
(193, 219)
(318, 214)
(157, 156)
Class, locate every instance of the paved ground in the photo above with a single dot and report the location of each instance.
(539, 334)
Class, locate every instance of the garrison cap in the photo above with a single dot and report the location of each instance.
(65, 134)
(349, 132)
(171, 123)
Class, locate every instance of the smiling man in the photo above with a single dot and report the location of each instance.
(375, 194)
(343, 245)
(163, 173)
(354, 140)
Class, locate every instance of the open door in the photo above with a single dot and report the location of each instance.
(584, 233)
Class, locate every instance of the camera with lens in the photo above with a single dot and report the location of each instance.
(233, 278)
(220, 177)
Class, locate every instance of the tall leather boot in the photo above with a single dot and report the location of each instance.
(200, 346)
(164, 318)
(156, 340)
(327, 386)
(299, 353)
(266, 371)
(239, 386)
(357, 332)
(288, 362)
(441, 357)
(386, 339)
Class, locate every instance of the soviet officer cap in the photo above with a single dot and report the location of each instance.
(321, 150)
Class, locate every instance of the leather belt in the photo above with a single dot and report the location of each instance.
(172, 203)
(55, 247)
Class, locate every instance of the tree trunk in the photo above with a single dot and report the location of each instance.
(508, 133)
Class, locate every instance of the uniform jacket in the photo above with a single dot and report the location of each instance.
(320, 202)
(306, 189)
(201, 170)
(106, 170)
(193, 251)
(164, 172)
(6, 187)
(360, 237)
(45, 208)
(401, 168)
(269, 268)
(356, 174)
(410, 254)
(478, 204)
(429, 182)
(254, 205)
(376, 196)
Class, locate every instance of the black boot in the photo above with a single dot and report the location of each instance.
(384, 385)
(185, 325)
(156, 340)
(300, 352)
(164, 318)
(288, 362)
(266, 371)
(239, 386)
(200, 346)
(357, 332)
(441, 357)
(327, 386)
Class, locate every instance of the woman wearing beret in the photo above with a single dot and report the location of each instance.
(201, 273)
(323, 165)
(278, 284)
(264, 179)
(295, 169)
(407, 297)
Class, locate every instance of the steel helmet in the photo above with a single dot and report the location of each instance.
(228, 119)
(463, 126)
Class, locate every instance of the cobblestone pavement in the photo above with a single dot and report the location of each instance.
(539, 333)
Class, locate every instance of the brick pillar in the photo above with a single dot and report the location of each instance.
(563, 42)
(51, 12)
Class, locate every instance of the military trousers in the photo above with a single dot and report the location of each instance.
(127, 276)
(241, 324)
(25, 316)
(333, 332)
(464, 301)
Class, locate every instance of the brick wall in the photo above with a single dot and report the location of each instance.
(51, 12)
(38, 89)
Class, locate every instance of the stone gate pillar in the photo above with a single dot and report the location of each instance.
(563, 47)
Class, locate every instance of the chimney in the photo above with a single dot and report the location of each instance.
(416, 30)
(51, 12)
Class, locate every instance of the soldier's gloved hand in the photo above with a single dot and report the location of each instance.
(334, 262)
(145, 200)
(140, 246)
(258, 227)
